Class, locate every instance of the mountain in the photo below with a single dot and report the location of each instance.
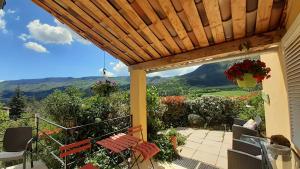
(208, 75)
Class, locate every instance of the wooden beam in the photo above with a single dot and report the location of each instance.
(214, 19)
(168, 8)
(192, 14)
(238, 10)
(142, 26)
(144, 4)
(225, 50)
(263, 15)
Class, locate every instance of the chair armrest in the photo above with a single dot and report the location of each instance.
(246, 147)
(237, 131)
(238, 160)
(238, 121)
(28, 144)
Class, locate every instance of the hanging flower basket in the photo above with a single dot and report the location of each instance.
(104, 88)
(248, 73)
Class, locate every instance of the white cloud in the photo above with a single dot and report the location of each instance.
(108, 73)
(120, 69)
(74, 35)
(49, 34)
(2, 22)
(10, 11)
(175, 72)
(36, 47)
(24, 37)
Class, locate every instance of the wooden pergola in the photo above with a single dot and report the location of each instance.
(152, 35)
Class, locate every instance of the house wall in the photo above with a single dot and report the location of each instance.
(276, 112)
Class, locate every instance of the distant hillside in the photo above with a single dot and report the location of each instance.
(209, 75)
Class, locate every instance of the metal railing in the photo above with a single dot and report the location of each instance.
(124, 122)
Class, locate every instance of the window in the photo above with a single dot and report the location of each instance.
(291, 50)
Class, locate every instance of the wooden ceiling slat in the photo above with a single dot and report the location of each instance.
(159, 34)
(118, 18)
(263, 15)
(146, 7)
(99, 28)
(195, 21)
(121, 34)
(142, 26)
(52, 6)
(214, 19)
(176, 23)
(238, 10)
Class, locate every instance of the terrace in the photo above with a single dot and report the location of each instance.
(156, 35)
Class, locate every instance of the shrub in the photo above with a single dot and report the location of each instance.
(155, 112)
(100, 159)
(214, 110)
(251, 108)
(167, 152)
(64, 106)
(177, 112)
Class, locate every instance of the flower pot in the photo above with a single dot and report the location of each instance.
(247, 82)
(173, 140)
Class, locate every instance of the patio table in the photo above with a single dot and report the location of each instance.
(119, 143)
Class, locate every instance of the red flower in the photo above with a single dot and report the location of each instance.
(255, 67)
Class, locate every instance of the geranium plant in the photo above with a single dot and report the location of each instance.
(254, 69)
(104, 88)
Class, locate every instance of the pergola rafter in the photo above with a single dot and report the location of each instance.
(151, 32)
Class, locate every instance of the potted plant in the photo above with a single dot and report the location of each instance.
(173, 137)
(104, 88)
(248, 73)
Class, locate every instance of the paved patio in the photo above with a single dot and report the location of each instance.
(206, 146)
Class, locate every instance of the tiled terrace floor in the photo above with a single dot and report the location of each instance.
(206, 146)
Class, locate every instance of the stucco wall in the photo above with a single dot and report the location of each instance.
(277, 113)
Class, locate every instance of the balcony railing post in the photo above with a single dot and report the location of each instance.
(37, 133)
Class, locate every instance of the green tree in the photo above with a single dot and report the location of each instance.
(64, 106)
(3, 113)
(17, 104)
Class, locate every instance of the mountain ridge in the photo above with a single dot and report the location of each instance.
(208, 75)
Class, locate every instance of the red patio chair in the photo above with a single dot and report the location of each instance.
(75, 148)
(146, 149)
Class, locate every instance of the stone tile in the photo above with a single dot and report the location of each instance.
(211, 142)
(186, 152)
(223, 151)
(228, 138)
(222, 163)
(215, 133)
(212, 149)
(205, 157)
(195, 139)
(36, 165)
(191, 144)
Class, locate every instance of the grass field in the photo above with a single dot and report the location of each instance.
(228, 93)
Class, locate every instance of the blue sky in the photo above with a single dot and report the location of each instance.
(35, 45)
